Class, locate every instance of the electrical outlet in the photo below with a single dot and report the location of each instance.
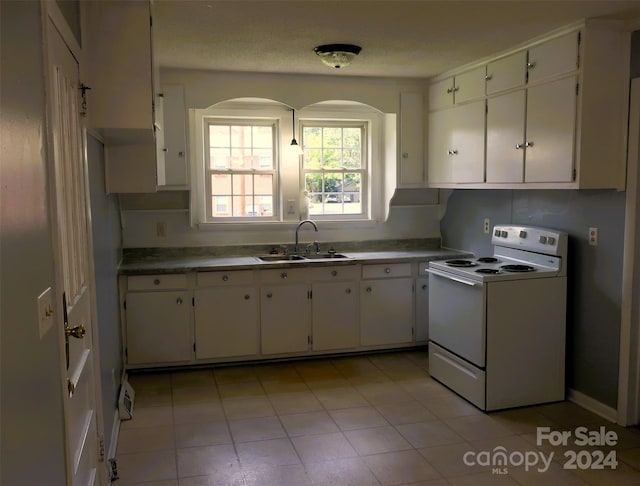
(593, 236)
(161, 229)
(291, 206)
(487, 226)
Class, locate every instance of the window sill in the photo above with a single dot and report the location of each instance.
(285, 225)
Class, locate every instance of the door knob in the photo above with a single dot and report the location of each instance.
(77, 332)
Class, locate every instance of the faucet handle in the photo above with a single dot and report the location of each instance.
(331, 251)
(285, 249)
(315, 245)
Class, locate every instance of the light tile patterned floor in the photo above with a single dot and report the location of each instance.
(375, 419)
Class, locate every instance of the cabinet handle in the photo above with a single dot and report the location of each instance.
(180, 154)
(247, 297)
(387, 270)
(424, 287)
(449, 90)
(520, 146)
(456, 88)
(269, 295)
(531, 65)
(453, 152)
(284, 275)
(225, 278)
(488, 77)
(161, 95)
(156, 281)
(528, 144)
(334, 273)
(405, 155)
(165, 149)
(179, 301)
(348, 291)
(369, 289)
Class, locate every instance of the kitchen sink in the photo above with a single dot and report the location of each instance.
(326, 256)
(280, 258)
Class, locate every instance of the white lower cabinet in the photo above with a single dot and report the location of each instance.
(334, 308)
(386, 304)
(285, 311)
(158, 327)
(421, 332)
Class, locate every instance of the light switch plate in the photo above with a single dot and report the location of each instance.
(45, 312)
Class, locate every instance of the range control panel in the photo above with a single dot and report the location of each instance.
(531, 238)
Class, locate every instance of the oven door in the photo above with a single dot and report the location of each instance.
(457, 315)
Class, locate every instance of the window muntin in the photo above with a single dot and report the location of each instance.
(240, 169)
(334, 168)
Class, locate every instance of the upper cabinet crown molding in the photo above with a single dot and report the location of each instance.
(556, 115)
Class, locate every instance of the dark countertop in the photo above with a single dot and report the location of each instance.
(188, 263)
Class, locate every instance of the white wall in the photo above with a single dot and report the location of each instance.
(32, 436)
(204, 89)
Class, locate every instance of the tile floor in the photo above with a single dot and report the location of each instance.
(375, 419)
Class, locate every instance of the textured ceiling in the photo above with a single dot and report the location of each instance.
(398, 38)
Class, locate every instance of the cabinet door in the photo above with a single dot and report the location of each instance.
(422, 309)
(386, 311)
(469, 85)
(554, 57)
(505, 137)
(551, 117)
(334, 315)
(226, 322)
(411, 163)
(284, 318)
(467, 135)
(439, 143)
(507, 72)
(158, 327)
(175, 145)
(441, 94)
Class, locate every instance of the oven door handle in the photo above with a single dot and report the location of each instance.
(450, 277)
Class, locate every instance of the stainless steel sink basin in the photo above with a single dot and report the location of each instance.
(280, 258)
(326, 256)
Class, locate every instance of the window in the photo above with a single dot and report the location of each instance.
(240, 169)
(334, 168)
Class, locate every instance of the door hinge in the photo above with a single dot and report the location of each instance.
(193, 301)
(113, 470)
(577, 88)
(310, 340)
(83, 95)
(579, 42)
(101, 448)
(194, 347)
(309, 294)
(574, 174)
(124, 304)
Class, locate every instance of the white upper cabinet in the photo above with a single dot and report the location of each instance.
(556, 114)
(174, 147)
(457, 89)
(411, 170)
(507, 72)
(553, 58)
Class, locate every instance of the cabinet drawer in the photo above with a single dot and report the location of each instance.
(284, 275)
(350, 272)
(389, 270)
(206, 279)
(155, 282)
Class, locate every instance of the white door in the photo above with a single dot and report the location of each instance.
(74, 271)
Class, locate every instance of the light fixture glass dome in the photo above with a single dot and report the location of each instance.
(337, 55)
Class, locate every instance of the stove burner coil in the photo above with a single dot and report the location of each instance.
(488, 270)
(488, 259)
(517, 268)
(460, 263)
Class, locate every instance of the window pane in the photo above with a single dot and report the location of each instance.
(352, 159)
(221, 206)
(332, 159)
(351, 137)
(265, 205)
(262, 137)
(240, 136)
(313, 183)
(332, 137)
(219, 158)
(243, 206)
(242, 185)
(263, 184)
(312, 137)
(313, 158)
(219, 135)
(263, 159)
(220, 184)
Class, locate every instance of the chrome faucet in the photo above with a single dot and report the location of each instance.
(296, 248)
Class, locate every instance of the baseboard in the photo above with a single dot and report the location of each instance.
(593, 405)
(113, 445)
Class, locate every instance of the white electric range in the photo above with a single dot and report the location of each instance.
(497, 323)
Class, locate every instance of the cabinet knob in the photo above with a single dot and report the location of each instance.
(179, 301)
(449, 90)
(165, 149)
(520, 146)
(456, 88)
(180, 154)
(369, 289)
(156, 281)
(453, 152)
(528, 144)
(247, 297)
(348, 291)
(531, 65)
(269, 295)
(488, 77)
(161, 95)
(387, 270)
(284, 275)
(424, 287)
(225, 278)
(405, 155)
(334, 273)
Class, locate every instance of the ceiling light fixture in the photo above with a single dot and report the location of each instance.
(294, 142)
(337, 55)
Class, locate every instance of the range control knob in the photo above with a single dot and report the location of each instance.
(551, 240)
(543, 239)
(496, 232)
(503, 234)
(522, 234)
